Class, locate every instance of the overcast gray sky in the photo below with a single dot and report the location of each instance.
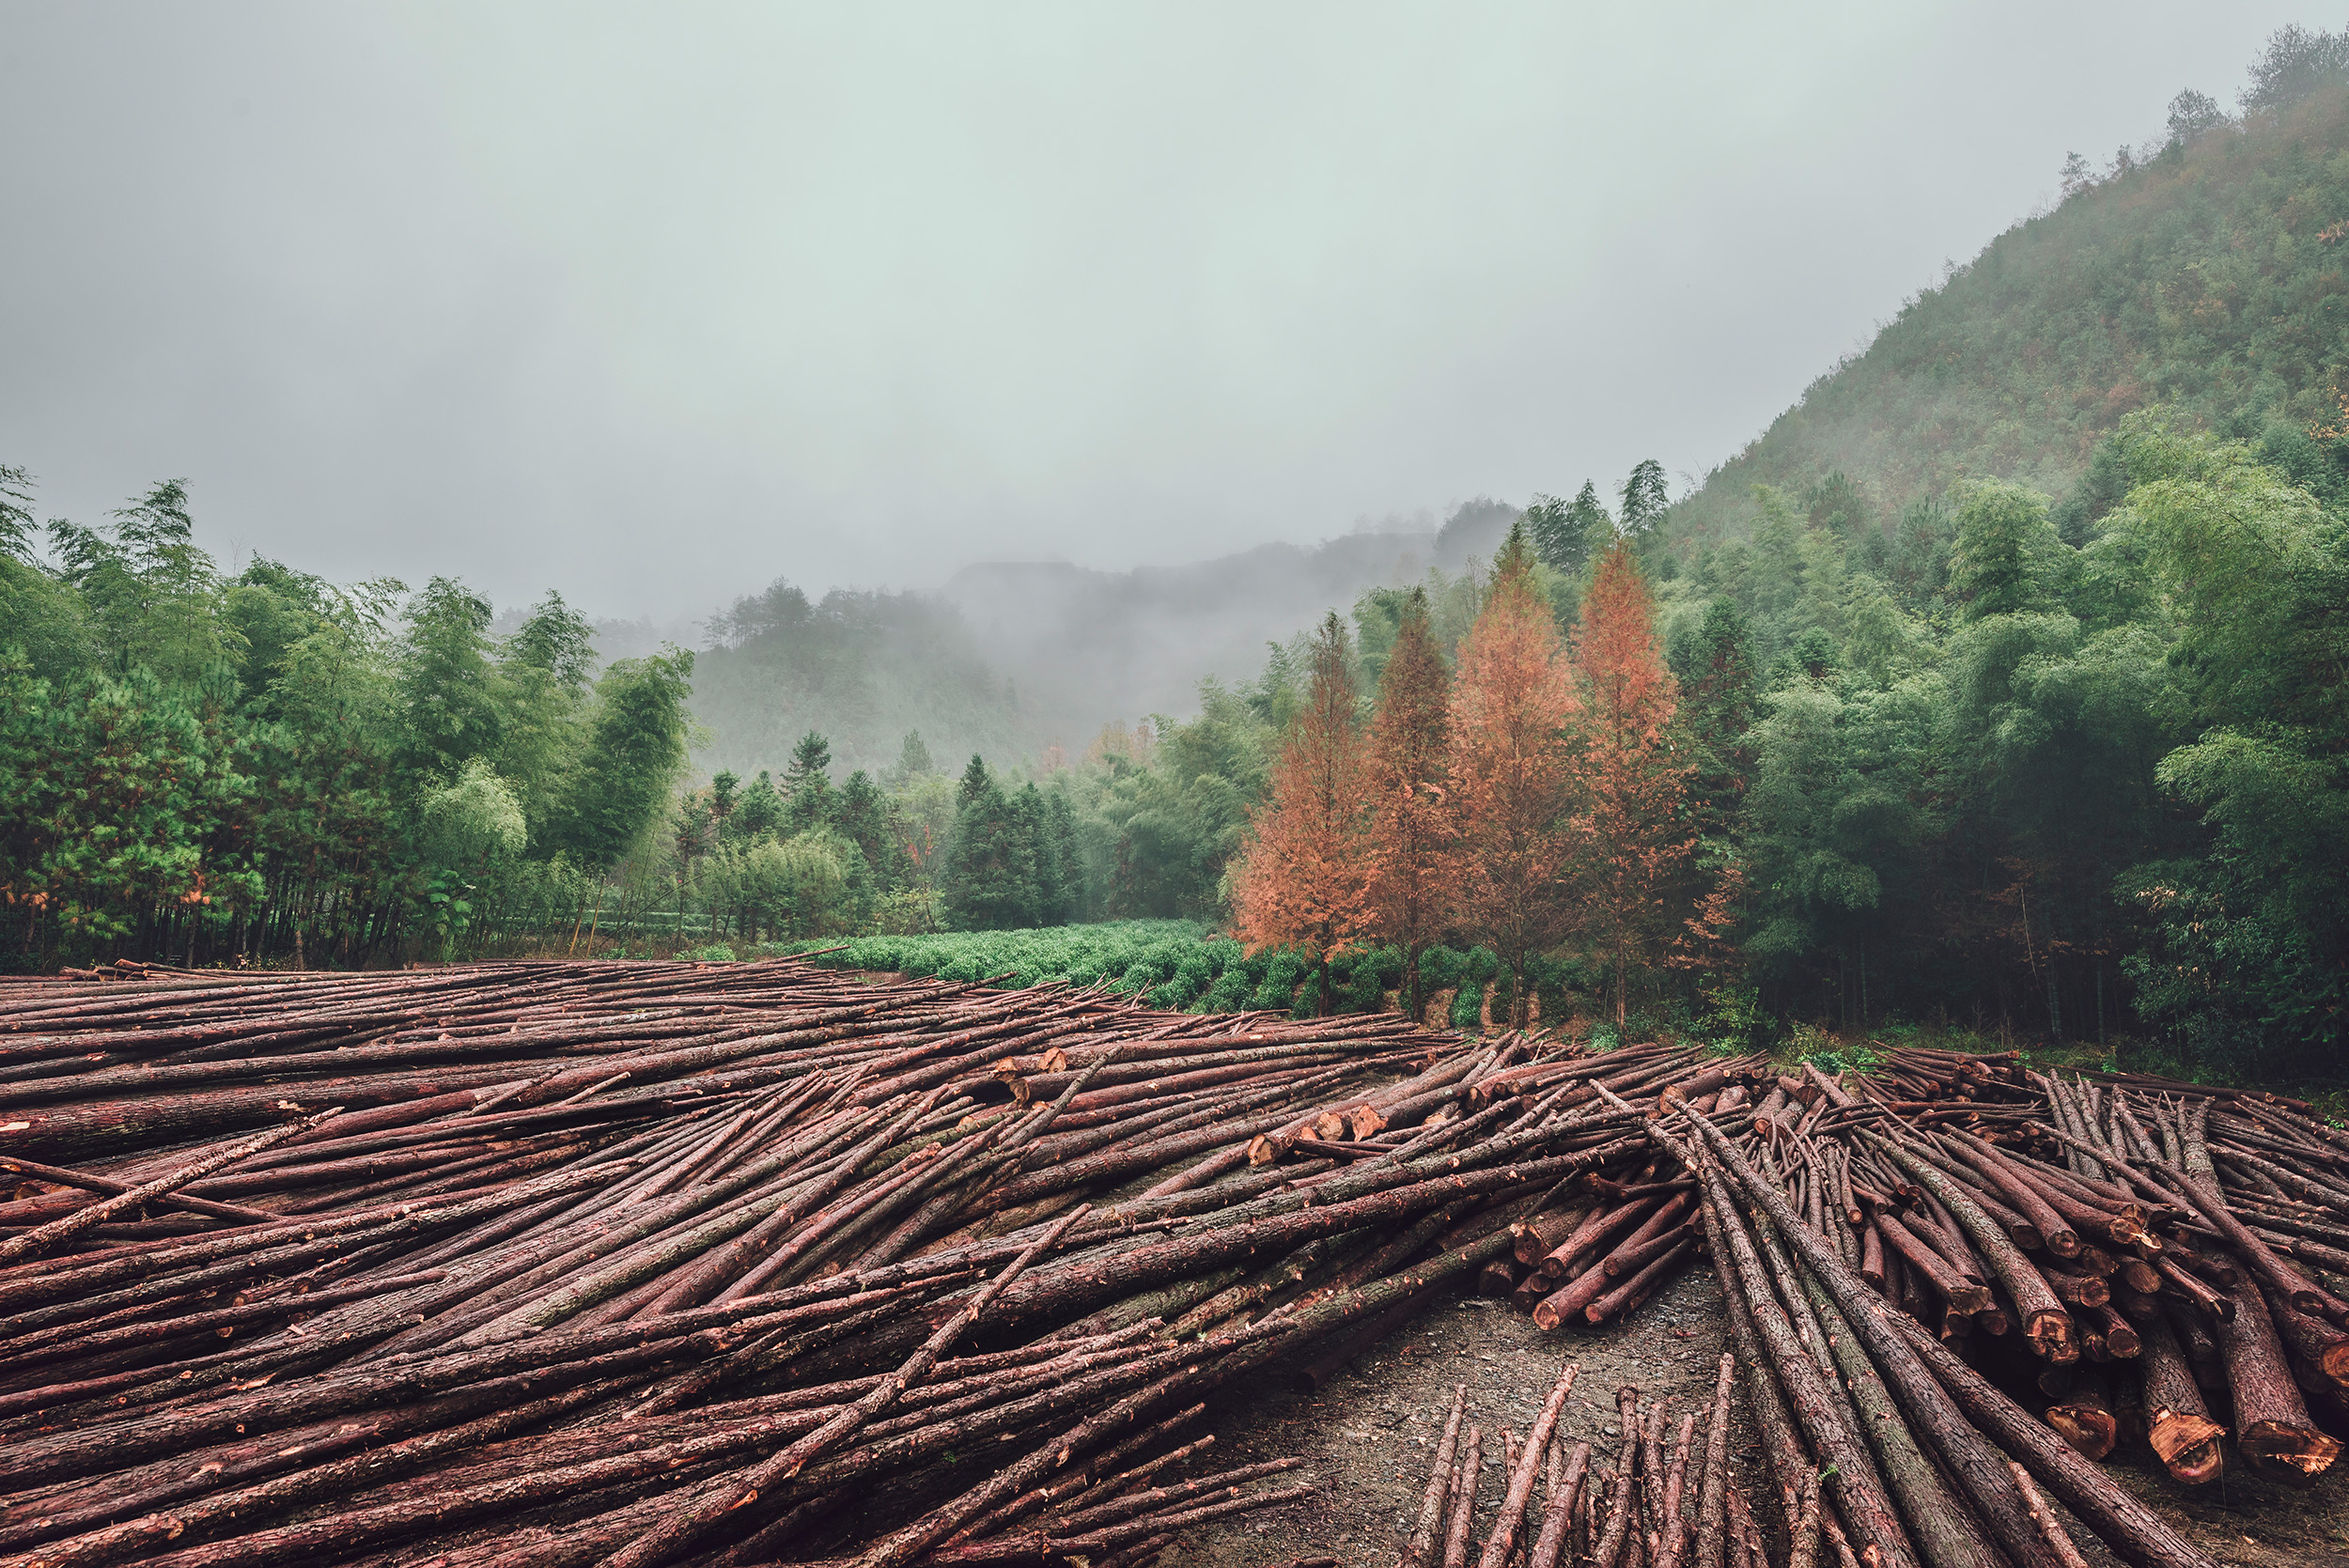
(655, 304)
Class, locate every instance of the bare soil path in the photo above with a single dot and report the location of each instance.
(1367, 1438)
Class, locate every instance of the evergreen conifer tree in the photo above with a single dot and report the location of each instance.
(862, 816)
(1718, 698)
(807, 785)
(990, 880)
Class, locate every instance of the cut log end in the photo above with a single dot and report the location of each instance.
(2089, 1430)
(2189, 1446)
(2284, 1452)
(2051, 1337)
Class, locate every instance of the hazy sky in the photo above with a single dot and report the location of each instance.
(653, 305)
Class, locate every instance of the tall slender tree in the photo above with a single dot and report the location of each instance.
(807, 785)
(1645, 500)
(1301, 880)
(1513, 698)
(1412, 829)
(1634, 844)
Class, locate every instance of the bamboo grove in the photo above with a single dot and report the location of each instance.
(273, 767)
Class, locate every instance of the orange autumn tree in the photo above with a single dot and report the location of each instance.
(1513, 699)
(1638, 897)
(1411, 823)
(1301, 879)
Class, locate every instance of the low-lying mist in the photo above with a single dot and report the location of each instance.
(1012, 658)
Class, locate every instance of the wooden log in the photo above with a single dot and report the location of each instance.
(1621, 1510)
(2315, 1341)
(2048, 1329)
(2059, 1541)
(1631, 1292)
(1431, 1510)
(1464, 1485)
(1961, 1295)
(1976, 1468)
(2178, 1424)
(2084, 1414)
(2133, 1530)
(1544, 1232)
(1559, 1508)
(1813, 1403)
(1501, 1543)
(1713, 1483)
(2273, 1430)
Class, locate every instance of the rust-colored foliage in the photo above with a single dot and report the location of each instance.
(1513, 698)
(1412, 829)
(1636, 895)
(1301, 880)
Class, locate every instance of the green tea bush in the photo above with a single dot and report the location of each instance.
(1174, 964)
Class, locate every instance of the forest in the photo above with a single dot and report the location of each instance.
(2000, 683)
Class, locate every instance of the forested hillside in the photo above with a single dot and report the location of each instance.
(2207, 270)
(1015, 658)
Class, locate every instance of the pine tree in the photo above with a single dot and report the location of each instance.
(807, 785)
(990, 877)
(1512, 698)
(1634, 846)
(1411, 828)
(913, 762)
(1070, 901)
(863, 817)
(757, 810)
(1301, 879)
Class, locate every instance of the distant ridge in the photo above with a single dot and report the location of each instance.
(1085, 646)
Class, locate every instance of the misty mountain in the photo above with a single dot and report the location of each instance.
(1010, 658)
(863, 668)
(2201, 270)
(1086, 647)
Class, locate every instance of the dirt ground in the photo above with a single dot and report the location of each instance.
(1368, 1436)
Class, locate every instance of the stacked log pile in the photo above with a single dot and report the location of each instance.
(650, 1264)
(656, 1264)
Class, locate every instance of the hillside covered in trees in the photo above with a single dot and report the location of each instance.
(2206, 271)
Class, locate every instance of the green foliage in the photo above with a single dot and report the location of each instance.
(635, 751)
(1566, 534)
